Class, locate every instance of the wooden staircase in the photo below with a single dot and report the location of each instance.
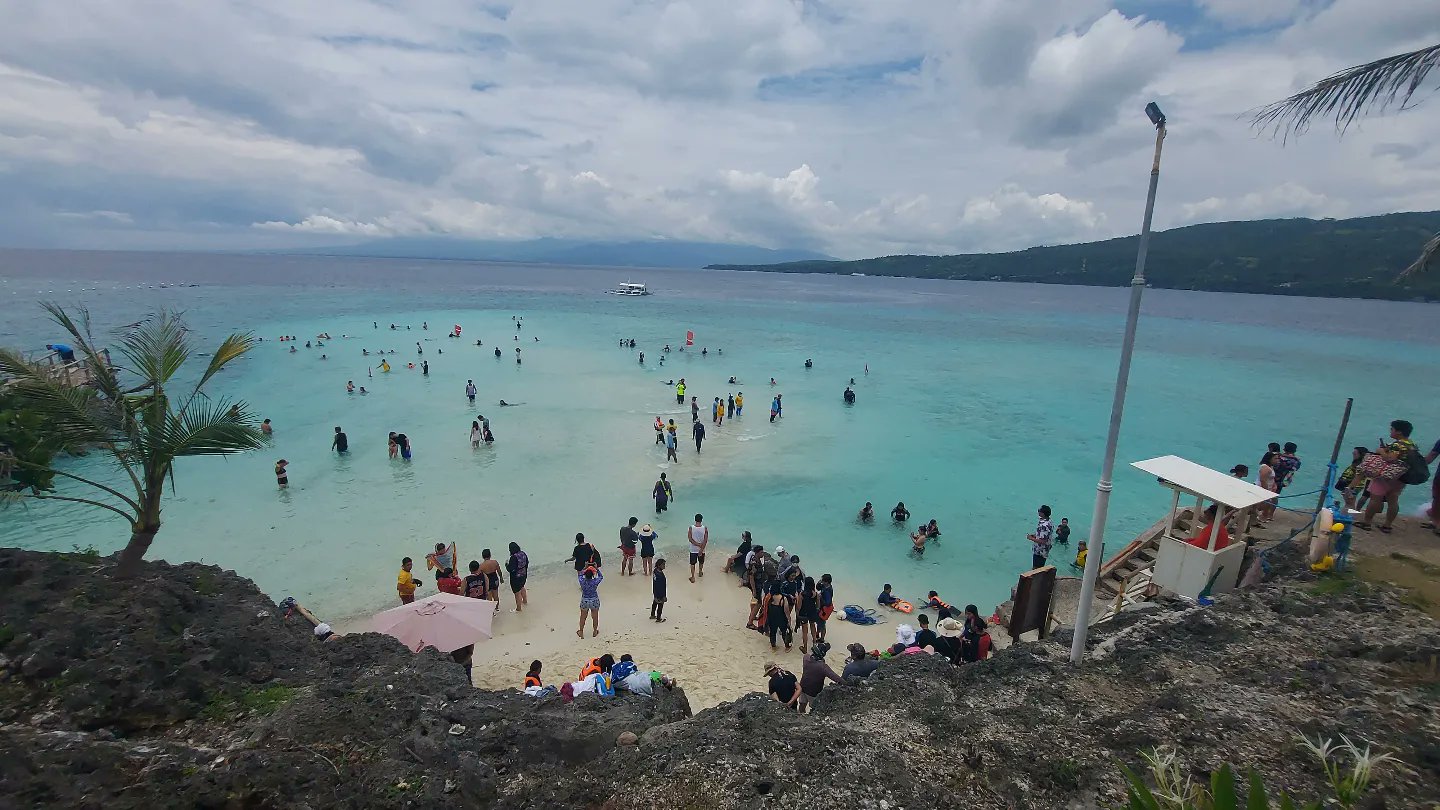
(1122, 572)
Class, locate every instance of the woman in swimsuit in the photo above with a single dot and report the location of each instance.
(808, 614)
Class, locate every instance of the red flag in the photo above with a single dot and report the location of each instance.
(689, 338)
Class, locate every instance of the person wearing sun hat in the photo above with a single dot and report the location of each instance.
(783, 686)
(947, 644)
(904, 639)
(647, 537)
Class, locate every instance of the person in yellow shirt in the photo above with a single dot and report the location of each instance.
(719, 411)
(385, 365)
(405, 583)
(739, 404)
(680, 392)
(1080, 555)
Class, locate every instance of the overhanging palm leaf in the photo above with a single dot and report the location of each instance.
(1432, 249)
(1356, 91)
(1349, 94)
(137, 424)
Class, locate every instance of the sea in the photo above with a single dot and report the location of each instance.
(975, 403)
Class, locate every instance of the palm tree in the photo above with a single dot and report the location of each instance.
(1345, 96)
(140, 423)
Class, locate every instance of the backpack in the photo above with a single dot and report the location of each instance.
(1416, 470)
(769, 569)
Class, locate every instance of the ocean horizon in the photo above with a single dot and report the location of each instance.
(983, 400)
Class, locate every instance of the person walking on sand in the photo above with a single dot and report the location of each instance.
(699, 431)
(662, 493)
(475, 582)
(519, 568)
(657, 587)
(590, 580)
(629, 539)
(493, 578)
(405, 582)
(699, 536)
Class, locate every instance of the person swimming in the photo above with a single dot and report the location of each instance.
(867, 512)
(809, 363)
(497, 351)
(505, 404)
(732, 381)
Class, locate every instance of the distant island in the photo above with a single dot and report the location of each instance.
(643, 253)
(1326, 258)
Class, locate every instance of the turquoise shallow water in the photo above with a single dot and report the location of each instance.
(983, 400)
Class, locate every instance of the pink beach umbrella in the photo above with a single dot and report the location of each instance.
(444, 621)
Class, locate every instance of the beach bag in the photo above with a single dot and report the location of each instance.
(1416, 470)
(1376, 466)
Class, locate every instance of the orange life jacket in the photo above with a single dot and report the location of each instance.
(531, 679)
(591, 667)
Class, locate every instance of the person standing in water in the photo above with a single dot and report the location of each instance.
(629, 539)
(680, 392)
(475, 435)
(739, 402)
(662, 493)
(670, 446)
(699, 430)
(282, 477)
(647, 547)
(341, 443)
(470, 391)
(715, 411)
(694, 409)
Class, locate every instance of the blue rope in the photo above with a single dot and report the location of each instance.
(859, 615)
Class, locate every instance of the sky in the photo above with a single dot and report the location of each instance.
(852, 127)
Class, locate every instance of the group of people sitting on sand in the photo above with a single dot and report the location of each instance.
(602, 675)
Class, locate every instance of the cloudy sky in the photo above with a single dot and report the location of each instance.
(856, 127)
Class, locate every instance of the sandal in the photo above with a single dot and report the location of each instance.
(1363, 526)
(1384, 529)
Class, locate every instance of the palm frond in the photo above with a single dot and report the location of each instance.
(76, 415)
(232, 347)
(1432, 249)
(1345, 96)
(156, 348)
(207, 428)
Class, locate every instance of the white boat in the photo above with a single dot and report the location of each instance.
(629, 289)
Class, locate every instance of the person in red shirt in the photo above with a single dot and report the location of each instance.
(449, 583)
(1202, 537)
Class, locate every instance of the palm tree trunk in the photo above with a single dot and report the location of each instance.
(143, 531)
(134, 553)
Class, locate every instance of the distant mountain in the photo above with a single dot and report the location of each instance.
(650, 253)
(1347, 258)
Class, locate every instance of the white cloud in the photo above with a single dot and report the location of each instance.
(845, 125)
(1285, 200)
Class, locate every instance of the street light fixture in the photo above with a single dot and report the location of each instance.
(1096, 555)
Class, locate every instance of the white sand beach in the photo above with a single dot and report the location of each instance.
(703, 643)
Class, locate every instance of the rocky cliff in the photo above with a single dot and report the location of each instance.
(187, 688)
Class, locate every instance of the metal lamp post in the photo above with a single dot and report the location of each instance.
(1096, 555)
